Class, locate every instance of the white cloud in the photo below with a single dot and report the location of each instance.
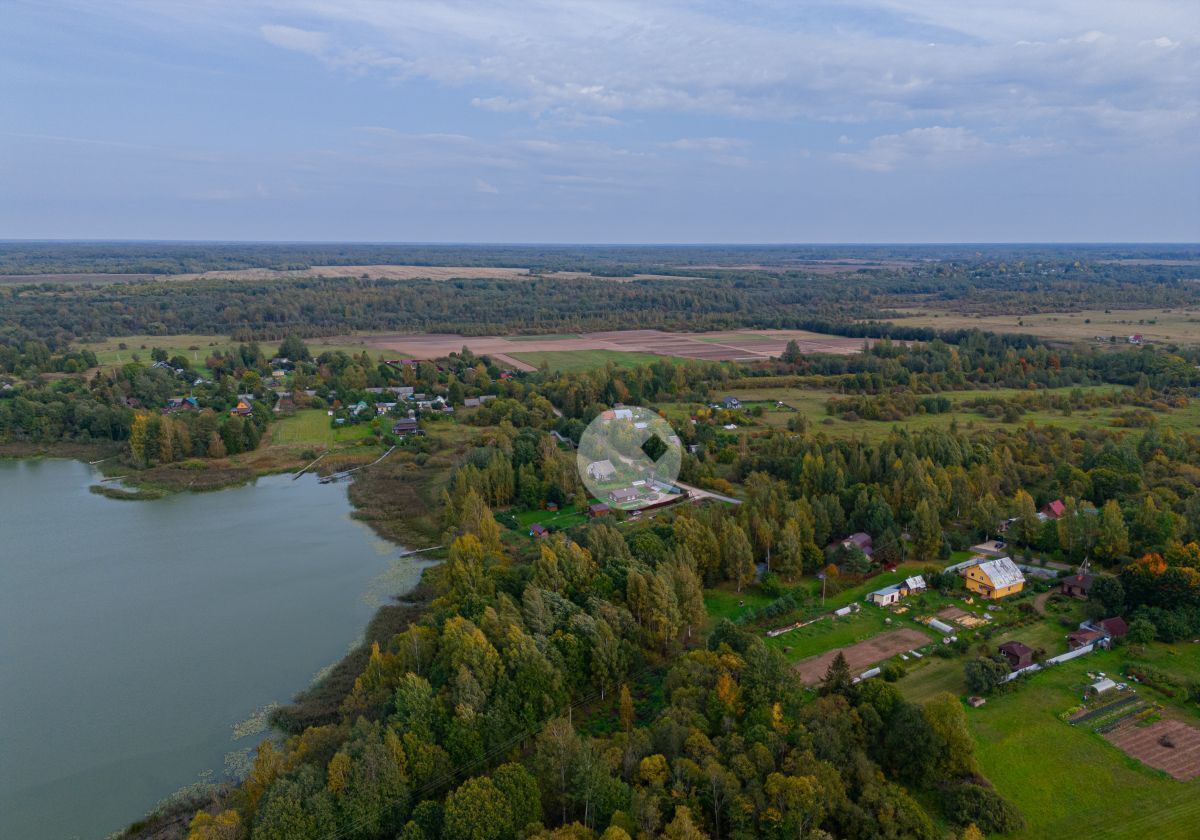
(935, 144)
(485, 187)
(1075, 70)
(291, 38)
(705, 144)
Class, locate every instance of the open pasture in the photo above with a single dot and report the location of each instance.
(745, 345)
(1157, 326)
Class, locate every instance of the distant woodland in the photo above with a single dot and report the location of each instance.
(723, 288)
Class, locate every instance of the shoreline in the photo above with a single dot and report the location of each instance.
(312, 704)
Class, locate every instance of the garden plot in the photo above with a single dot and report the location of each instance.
(1168, 745)
(862, 655)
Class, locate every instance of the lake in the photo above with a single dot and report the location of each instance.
(135, 635)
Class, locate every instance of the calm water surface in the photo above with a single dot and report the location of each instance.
(134, 636)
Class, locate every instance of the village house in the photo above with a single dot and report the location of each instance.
(243, 407)
(995, 578)
(1018, 654)
(1136, 338)
(1097, 632)
(893, 594)
(537, 530)
(406, 426)
(860, 541)
(1054, 510)
(598, 509)
(731, 403)
(1115, 627)
(601, 470)
(623, 495)
(471, 402)
(1077, 586)
(1082, 638)
(181, 404)
(285, 404)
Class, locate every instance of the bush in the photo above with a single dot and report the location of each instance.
(971, 803)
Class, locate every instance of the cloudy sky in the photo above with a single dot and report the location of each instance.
(601, 120)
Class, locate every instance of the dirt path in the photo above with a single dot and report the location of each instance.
(862, 655)
(1039, 603)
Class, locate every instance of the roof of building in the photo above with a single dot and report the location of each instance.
(1084, 636)
(624, 493)
(859, 540)
(1017, 648)
(915, 582)
(601, 468)
(1116, 626)
(1002, 572)
(599, 507)
(1055, 508)
(1103, 685)
(1083, 582)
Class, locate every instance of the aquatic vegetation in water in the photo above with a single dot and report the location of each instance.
(256, 723)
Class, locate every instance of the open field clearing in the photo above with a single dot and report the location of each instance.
(373, 272)
(311, 426)
(195, 348)
(864, 654)
(1158, 326)
(749, 345)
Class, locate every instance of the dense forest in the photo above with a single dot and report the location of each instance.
(183, 257)
(723, 293)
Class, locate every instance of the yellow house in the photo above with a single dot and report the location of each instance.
(995, 578)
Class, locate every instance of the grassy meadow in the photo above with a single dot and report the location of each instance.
(1165, 326)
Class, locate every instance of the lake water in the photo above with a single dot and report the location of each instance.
(135, 635)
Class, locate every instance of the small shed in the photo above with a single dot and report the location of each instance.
(598, 509)
(1018, 654)
(1077, 586)
(537, 530)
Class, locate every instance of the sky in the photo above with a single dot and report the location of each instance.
(589, 121)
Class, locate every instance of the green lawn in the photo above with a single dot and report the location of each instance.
(566, 517)
(829, 633)
(311, 426)
(725, 602)
(1070, 782)
(195, 348)
(574, 361)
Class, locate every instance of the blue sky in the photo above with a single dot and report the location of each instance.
(587, 121)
